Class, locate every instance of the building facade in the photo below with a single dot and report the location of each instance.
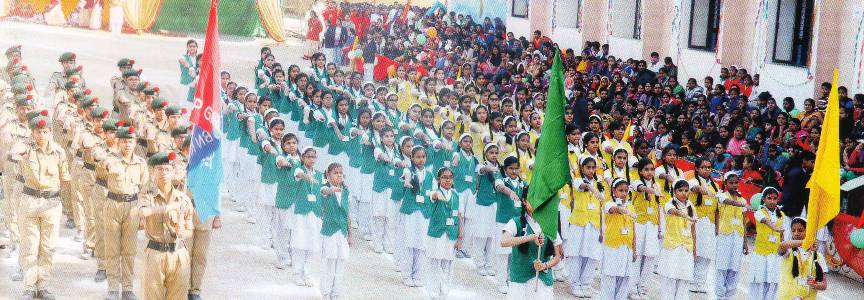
(793, 44)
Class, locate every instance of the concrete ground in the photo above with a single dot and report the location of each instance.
(240, 268)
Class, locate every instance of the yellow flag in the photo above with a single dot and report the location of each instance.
(627, 133)
(356, 43)
(824, 184)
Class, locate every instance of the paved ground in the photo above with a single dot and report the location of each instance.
(239, 268)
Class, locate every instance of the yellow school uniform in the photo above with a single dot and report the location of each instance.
(586, 208)
(731, 217)
(796, 287)
(619, 230)
(708, 206)
(648, 206)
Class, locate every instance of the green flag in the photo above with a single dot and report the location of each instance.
(551, 167)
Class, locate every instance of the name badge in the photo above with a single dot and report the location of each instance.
(802, 282)
(420, 199)
(455, 213)
(447, 163)
(708, 202)
(625, 231)
(650, 210)
(450, 222)
(391, 173)
(685, 232)
(469, 178)
(311, 198)
(772, 238)
(592, 206)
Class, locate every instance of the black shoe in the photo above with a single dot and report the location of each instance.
(113, 295)
(129, 295)
(70, 223)
(45, 295)
(28, 295)
(100, 276)
(194, 297)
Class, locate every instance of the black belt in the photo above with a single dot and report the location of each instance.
(122, 197)
(102, 182)
(142, 142)
(161, 247)
(90, 166)
(40, 194)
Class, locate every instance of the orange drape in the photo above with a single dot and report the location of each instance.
(38, 5)
(68, 6)
(141, 14)
(271, 18)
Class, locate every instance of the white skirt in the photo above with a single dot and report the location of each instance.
(335, 246)
(483, 220)
(617, 262)
(564, 217)
(522, 291)
(381, 203)
(440, 248)
(647, 243)
(730, 249)
(306, 233)
(676, 263)
(584, 241)
(499, 229)
(267, 194)
(706, 244)
(415, 227)
(764, 268)
(465, 197)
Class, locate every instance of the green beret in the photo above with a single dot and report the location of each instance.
(159, 103)
(24, 100)
(125, 133)
(110, 124)
(13, 49)
(180, 130)
(130, 73)
(125, 62)
(74, 71)
(36, 113)
(81, 94)
(67, 56)
(21, 88)
(71, 84)
(161, 158)
(39, 122)
(150, 90)
(99, 113)
(19, 70)
(174, 110)
(89, 101)
(21, 78)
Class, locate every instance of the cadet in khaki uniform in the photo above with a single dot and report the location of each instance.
(102, 153)
(78, 130)
(13, 55)
(45, 169)
(124, 64)
(160, 137)
(149, 123)
(89, 138)
(58, 79)
(168, 215)
(127, 175)
(125, 98)
(14, 137)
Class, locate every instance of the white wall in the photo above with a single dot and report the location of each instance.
(625, 48)
(568, 38)
(697, 64)
(519, 26)
(786, 81)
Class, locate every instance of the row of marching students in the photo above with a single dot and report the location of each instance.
(413, 180)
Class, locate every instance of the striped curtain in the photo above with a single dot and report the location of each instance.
(270, 12)
(140, 14)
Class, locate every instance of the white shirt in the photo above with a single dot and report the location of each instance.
(510, 227)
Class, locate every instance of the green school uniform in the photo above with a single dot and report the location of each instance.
(245, 139)
(354, 148)
(465, 173)
(308, 194)
(506, 209)
(321, 132)
(280, 101)
(185, 78)
(259, 81)
(321, 78)
(397, 188)
(417, 198)
(444, 217)
(334, 213)
(294, 96)
(443, 157)
(367, 153)
(306, 128)
(286, 189)
(486, 194)
(385, 171)
(337, 146)
(523, 256)
(268, 161)
(230, 124)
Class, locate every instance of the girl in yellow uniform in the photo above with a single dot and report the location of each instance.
(679, 252)
(618, 243)
(666, 172)
(619, 169)
(647, 199)
(583, 247)
(801, 274)
(480, 128)
(764, 273)
(731, 247)
(704, 197)
(525, 154)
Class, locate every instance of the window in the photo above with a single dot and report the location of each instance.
(792, 32)
(520, 8)
(627, 19)
(704, 24)
(568, 13)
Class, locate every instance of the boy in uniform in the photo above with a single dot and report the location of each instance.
(124, 64)
(14, 136)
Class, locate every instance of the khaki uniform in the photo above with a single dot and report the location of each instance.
(86, 183)
(125, 178)
(124, 100)
(145, 123)
(62, 112)
(159, 139)
(199, 243)
(14, 136)
(166, 271)
(40, 211)
(101, 154)
(80, 188)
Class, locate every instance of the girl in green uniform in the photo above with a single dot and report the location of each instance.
(360, 183)
(386, 162)
(483, 228)
(444, 235)
(247, 120)
(444, 149)
(509, 193)
(339, 127)
(306, 237)
(264, 75)
(270, 149)
(335, 232)
(321, 117)
(417, 181)
(286, 194)
(425, 134)
(306, 121)
(464, 166)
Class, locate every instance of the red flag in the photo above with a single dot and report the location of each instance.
(207, 105)
(379, 72)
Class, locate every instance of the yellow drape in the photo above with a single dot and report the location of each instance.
(141, 14)
(38, 5)
(68, 6)
(271, 18)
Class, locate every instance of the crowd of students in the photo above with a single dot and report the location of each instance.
(438, 153)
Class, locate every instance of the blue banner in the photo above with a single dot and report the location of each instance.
(205, 173)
